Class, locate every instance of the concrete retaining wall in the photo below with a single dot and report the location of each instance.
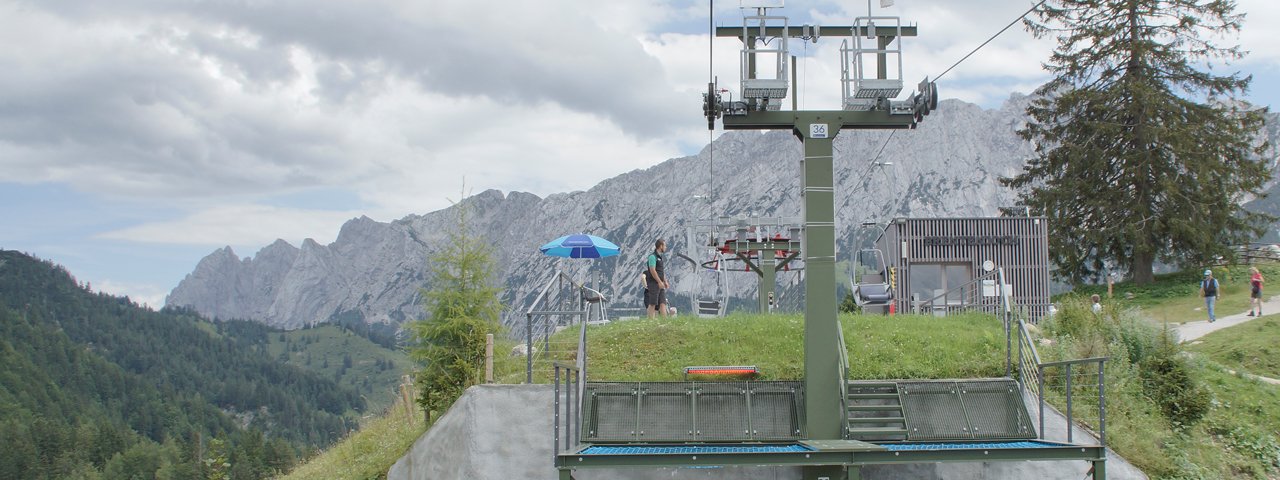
(499, 432)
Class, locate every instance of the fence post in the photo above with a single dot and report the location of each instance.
(488, 358)
(406, 393)
(528, 348)
(1070, 424)
(555, 410)
(1040, 393)
(1102, 405)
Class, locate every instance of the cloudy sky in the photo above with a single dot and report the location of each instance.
(136, 136)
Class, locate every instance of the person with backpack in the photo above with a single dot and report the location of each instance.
(1209, 290)
(655, 292)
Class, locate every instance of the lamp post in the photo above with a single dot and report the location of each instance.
(892, 184)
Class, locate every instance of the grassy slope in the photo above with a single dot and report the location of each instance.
(1174, 298)
(369, 452)
(323, 349)
(1251, 347)
(1236, 439)
(879, 347)
(1238, 436)
(904, 346)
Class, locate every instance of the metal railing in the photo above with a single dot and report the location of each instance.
(843, 367)
(1032, 377)
(574, 377)
(969, 297)
(570, 378)
(1070, 390)
(562, 297)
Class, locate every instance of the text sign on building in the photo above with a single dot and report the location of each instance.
(969, 240)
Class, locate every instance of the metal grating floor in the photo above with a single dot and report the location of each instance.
(903, 447)
(691, 449)
(942, 410)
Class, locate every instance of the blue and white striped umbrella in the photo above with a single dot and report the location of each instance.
(580, 245)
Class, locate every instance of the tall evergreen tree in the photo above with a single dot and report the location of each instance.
(463, 306)
(1142, 152)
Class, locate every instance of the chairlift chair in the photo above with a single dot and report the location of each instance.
(712, 306)
(871, 279)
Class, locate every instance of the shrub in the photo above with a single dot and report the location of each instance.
(1167, 381)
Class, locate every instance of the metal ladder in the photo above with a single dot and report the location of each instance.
(875, 411)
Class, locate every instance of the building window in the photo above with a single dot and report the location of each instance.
(930, 280)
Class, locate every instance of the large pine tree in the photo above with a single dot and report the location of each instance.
(1143, 153)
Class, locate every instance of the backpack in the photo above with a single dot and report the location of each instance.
(1210, 287)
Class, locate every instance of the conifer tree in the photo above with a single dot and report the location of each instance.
(1143, 153)
(462, 306)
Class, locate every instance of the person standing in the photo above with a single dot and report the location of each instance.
(1255, 291)
(1097, 304)
(1209, 290)
(655, 293)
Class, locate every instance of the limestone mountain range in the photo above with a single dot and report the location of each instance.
(948, 167)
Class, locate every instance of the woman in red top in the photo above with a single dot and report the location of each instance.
(1255, 291)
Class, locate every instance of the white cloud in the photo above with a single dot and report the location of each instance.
(216, 108)
(147, 295)
(245, 226)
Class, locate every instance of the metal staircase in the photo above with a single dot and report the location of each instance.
(875, 411)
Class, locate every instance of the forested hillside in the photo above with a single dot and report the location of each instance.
(93, 385)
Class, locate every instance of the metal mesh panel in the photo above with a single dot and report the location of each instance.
(610, 412)
(721, 412)
(995, 410)
(776, 412)
(666, 412)
(692, 411)
(933, 411)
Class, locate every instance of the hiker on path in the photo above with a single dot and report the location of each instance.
(655, 293)
(1097, 304)
(1209, 290)
(1255, 291)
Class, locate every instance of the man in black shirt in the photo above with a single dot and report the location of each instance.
(655, 293)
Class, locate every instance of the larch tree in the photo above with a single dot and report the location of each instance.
(1143, 153)
(462, 306)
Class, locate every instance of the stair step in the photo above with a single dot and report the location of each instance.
(878, 431)
(873, 396)
(874, 408)
(877, 420)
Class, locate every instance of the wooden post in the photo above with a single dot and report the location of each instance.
(488, 358)
(406, 394)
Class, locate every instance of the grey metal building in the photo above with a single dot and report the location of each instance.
(946, 264)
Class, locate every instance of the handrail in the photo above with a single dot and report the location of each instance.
(1074, 362)
(843, 372)
(1028, 357)
(992, 275)
(572, 407)
(1029, 364)
(1102, 398)
(546, 304)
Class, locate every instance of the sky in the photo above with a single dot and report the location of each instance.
(138, 136)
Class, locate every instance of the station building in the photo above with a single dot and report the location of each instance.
(949, 264)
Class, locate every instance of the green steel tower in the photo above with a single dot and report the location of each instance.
(869, 89)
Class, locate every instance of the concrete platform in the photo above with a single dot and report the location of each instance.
(504, 432)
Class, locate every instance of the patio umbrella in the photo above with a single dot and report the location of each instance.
(580, 245)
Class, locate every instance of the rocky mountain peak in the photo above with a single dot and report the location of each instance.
(949, 166)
